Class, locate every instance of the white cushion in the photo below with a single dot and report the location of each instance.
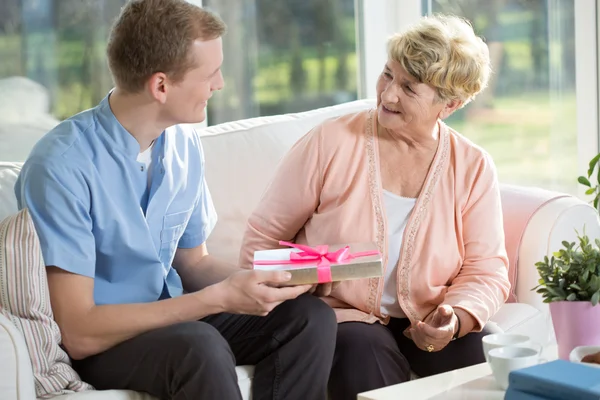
(26, 303)
(9, 172)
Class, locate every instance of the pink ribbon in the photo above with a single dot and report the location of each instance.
(319, 254)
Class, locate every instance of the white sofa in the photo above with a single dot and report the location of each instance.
(240, 159)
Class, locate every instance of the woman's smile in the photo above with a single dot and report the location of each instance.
(391, 111)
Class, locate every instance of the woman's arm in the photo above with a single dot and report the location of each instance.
(289, 201)
(482, 285)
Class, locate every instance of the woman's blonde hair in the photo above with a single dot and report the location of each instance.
(444, 52)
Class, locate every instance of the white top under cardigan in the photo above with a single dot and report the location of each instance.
(397, 210)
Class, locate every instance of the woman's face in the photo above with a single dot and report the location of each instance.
(405, 104)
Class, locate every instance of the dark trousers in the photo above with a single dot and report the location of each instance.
(369, 357)
(291, 348)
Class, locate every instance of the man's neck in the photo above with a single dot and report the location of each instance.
(139, 116)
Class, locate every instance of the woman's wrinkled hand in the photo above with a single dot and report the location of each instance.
(436, 331)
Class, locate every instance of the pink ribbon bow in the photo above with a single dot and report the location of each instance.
(319, 254)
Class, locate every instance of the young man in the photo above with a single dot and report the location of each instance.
(119, 200)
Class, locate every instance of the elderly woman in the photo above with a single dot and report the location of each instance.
(427, 196)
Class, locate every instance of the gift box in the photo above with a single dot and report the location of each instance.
(322, 264)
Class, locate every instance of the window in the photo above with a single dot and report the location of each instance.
(52, 65)
(538, 118)
(60, 45)
(527, 118)
(284, 56)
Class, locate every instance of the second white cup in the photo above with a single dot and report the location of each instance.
(506, 359)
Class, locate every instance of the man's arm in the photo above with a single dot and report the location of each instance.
(198, 269)
(89, 329)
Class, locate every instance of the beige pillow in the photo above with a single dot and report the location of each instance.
(24, 299)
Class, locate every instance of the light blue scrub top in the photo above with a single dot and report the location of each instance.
(96, 215)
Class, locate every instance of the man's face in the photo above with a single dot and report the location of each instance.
(187, 99)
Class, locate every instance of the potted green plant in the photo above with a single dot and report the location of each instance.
(570, 282)
(593, 188)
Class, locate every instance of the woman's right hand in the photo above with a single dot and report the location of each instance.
(256, 292)
(436, 331)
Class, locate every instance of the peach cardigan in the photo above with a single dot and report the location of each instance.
(327, 190)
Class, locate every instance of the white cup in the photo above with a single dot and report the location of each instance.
(497, 340)
(506, 359)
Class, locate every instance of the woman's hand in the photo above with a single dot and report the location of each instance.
(436, 331)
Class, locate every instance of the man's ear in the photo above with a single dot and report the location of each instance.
(449, 108)
(158, 86)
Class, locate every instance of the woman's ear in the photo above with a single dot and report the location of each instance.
(449, 108)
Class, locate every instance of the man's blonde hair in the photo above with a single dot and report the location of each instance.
(444, 52)
(151, 36)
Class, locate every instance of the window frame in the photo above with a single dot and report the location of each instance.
(587, 18)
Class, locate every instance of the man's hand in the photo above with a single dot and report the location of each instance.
(324, 289)
(255, 292)
(436, 331)
(592, 358)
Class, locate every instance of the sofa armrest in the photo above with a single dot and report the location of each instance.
(555, 221)
(16, 374)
